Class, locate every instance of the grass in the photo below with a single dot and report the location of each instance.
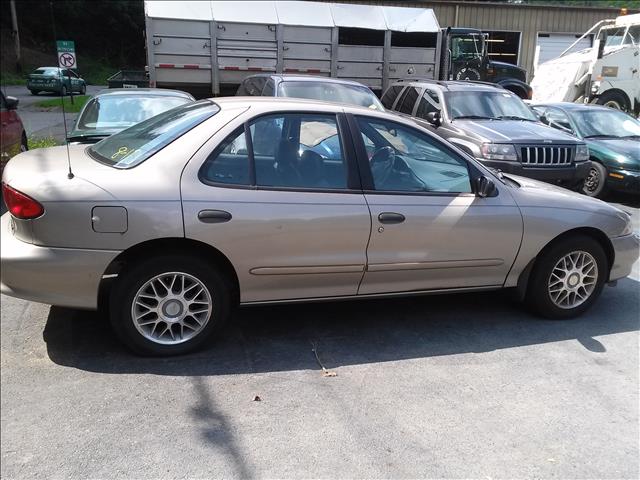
(45, 142)
(12, 78)
(78, 103)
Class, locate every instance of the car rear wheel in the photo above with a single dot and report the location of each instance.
(169, 305)
(567, 278)
(24, 144)
(83, 89)
(63, 91)
(34, 92)
(595, 183)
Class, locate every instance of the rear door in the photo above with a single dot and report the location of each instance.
(429, 230)
(280, 197)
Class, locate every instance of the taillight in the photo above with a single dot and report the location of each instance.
(20, 205)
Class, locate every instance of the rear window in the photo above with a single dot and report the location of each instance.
(46, 71)
(331, 92)
(134, 145)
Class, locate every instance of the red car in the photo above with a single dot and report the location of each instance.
(13, 138)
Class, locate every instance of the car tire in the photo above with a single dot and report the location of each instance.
(83, 89)
(613, 99)
(164, 327)
(34, 92)
(567, 278)
(595, 183)
(63, 91)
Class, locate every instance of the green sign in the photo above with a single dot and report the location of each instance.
(66, 54)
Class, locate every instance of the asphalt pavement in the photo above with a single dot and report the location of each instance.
(448, 386)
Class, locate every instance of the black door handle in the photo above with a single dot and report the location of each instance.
(214, 216)
(390, 217)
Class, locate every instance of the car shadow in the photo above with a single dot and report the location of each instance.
(282, 338)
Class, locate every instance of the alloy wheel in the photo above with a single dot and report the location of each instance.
(592, 181)
(573, 279)
(171, 308)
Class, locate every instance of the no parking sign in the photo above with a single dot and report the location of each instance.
(66, 54)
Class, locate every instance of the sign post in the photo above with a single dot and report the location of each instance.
(67, 59)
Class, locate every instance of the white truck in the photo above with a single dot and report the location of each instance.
(608, 73)
(209, 47)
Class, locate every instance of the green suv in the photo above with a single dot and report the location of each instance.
(613, 138)
(57, 80)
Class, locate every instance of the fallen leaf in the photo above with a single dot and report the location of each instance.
(257, 399)
(327, 373)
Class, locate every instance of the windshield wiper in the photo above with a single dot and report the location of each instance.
(601, 136)
(475, 117)
(630, 136)
(513, 117)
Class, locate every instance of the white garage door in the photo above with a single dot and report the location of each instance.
(553, 44)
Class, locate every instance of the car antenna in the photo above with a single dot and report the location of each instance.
(64, 116)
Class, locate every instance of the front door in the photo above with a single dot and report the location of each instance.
(280, 198)
(429, 230)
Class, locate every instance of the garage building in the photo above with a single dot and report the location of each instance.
(521, 34)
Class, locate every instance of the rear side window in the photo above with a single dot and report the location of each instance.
(134, 145)
(408, 101)
(390, 95)
(288, 150)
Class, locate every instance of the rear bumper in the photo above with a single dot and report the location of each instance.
(45, 87)
(572, 175)
(624, 181)
(66, 277)
(626, 251)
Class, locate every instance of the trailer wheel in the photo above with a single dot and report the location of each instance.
(614, 99)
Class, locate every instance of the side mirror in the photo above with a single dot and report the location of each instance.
(433, 118)
(11, 102)
(485, 187)
(544, 119)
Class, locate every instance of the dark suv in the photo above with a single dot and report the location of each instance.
(495, 126)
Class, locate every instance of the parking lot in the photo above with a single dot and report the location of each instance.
(440, 386)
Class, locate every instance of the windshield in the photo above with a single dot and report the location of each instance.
(122, 111)
(609, 123)
(487, 104)
(466, 47)
(331, 92)
(134, 145)
(46, 71)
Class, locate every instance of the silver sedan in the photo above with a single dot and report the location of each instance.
(171, 223)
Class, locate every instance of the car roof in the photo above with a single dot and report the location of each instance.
(300, 104)
(571, 106)
(306, 78)
(146, 92)
(450, 85)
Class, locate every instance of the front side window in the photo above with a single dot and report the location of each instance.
(558, 119)
(403, 159)
(136, 144)
(429, 102)
(289, 151)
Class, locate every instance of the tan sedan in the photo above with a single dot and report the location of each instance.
(235, 200)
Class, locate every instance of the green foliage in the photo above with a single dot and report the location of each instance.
(41, 142)
(11, 78)
(78, 103)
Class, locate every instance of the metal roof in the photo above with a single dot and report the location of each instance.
(402, 19)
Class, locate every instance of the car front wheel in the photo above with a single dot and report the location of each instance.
(595, 184)
(567, 278)
(169, 305)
